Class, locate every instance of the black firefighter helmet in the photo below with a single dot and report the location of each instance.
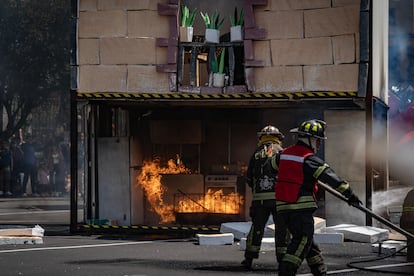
(270, 134)
(311, 128)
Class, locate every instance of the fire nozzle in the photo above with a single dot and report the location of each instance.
(367, 211)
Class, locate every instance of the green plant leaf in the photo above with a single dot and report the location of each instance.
(206, 19)
(187, 16)
(192, 18)
(233, 18)
(218, 25)
(214, 19)
(212, 22)
(184, 16)
(221, 64)
(240, 20)
(237, 18)
(232, 21)
(214, 65)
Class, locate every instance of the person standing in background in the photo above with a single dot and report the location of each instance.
(5, 169)
(56, 165)
(17, 166)
(43, 180)
(29, 166)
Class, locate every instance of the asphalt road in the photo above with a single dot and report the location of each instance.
(35, 210)
(64, 254)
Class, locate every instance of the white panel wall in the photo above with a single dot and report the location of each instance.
(345, 153)
(114, 180)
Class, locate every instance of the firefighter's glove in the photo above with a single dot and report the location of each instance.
(353, 200)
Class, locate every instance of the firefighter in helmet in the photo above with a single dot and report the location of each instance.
(299, 172)
(261, 177)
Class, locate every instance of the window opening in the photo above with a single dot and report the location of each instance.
(180, 57)
(195, 59)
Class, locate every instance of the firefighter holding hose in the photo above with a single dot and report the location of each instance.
(261, 178)
(299, 172)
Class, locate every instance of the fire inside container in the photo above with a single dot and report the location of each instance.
(212, 208)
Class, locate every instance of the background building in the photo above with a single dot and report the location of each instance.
(141, 96)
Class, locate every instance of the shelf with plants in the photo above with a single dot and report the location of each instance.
(240, 79)
(191, 65)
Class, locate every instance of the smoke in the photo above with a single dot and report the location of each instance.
(384, 199)
(401, 163)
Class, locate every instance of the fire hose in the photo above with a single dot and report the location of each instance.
(380, 219)
(367, 211)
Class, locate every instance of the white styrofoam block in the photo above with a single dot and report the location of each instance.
(238, 229)
(20, 240)
(242, 244)
(241, 229)
(215, 239)
(319, 223)
(36, 231)
(332, 238)
(268, 244)
(359, 233)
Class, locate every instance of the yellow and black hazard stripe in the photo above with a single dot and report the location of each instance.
(147, 229)
(234, 96)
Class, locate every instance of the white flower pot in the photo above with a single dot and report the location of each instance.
(212, 35)
(236, 33)
(186, 34)
(218, 79)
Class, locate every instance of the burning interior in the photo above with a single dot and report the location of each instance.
(150, 164)
(218, 200)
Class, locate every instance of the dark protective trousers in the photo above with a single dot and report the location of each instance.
(260, 210)
(301, 246)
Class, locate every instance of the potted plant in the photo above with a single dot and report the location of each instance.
(218, 69)
(187, 21)
(236, 25)
(213, 26)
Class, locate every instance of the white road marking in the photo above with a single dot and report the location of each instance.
(34, 212)
(73, 247)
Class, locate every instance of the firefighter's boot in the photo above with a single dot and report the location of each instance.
(318, 270)
(247, 263)
(287, 269)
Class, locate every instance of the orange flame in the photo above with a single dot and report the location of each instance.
(213, 201)
(150, 181)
